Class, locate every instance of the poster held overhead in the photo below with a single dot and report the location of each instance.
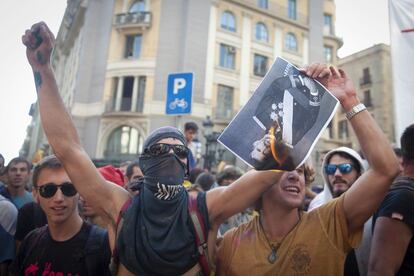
(282, 121)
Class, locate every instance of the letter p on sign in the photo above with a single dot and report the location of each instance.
(179, 83)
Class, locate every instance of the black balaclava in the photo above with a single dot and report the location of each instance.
(163, 174)
(157, 237)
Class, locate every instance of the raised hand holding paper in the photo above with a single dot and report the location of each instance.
(282, 121)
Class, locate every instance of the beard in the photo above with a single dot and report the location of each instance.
(338, 191)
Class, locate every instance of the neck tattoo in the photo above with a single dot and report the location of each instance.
(272, 258)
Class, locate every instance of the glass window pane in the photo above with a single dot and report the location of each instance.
(137, 6)
(127, 91)
(292, 9)
(228, 21)
(327, 18)
(262, 4)
(123, 142)
(225, 104)
(133, 141)
(260, 65)
(141, 93)
(227, 56)
(328, 53)
(291, 42)
(133, 46)
(261, 32)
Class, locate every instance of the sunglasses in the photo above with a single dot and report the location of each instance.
(50, 189)
(343, 168)
(160, 149)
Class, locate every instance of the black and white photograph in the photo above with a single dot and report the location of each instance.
(282, 121)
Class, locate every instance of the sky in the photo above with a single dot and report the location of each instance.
(361, 24)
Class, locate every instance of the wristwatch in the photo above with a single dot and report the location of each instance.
(355, 110)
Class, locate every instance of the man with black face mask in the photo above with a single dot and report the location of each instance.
(156, 235)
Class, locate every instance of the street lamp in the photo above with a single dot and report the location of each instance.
(211, 143)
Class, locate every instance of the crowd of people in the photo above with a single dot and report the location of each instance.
(163, 215)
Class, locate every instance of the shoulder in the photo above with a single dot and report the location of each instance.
(96, 235)
(400, 193)
(36, 236)
(8, 216)
(7, 207)
(398, 200)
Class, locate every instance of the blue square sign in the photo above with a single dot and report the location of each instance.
(179, 93)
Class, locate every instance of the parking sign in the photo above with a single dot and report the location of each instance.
(179, 93)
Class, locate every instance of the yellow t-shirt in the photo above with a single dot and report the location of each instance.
(318, 245)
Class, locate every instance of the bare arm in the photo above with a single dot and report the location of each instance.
(365, 195)
(60, 130)
(389, 245)
(224, 202)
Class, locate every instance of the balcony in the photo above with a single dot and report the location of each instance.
(133, 20)
(365, 80)
(124, 109)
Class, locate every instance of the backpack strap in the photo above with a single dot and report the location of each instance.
(93, 256)
(201, 235)
(119, 222)
(33, 242)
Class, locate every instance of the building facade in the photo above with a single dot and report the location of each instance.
(113, 59)
(370, 70)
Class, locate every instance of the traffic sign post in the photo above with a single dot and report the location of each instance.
(179, 94)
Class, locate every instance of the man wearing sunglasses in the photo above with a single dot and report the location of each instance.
(66, 245)
(340, 168)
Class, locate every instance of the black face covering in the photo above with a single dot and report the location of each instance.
(157, 236)
(164, 174)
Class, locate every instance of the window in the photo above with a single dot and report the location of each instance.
(291, 42)
(367, 98)
(327, 24)
(261, 32)
(133, 46)
(227, 56)
(137, 6)
(366, 77)
(260, 65)
(328, 53)
(228, 21)
(123, 142)
(343, 129)
(141, 94)
(292, 9)
(126, 100)
(224, 109)
(262, 4)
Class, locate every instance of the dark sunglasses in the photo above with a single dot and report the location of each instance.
(160, 149)
(343, 168)
(50, 189)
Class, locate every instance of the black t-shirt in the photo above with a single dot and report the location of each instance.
(30, 216)
(55, 257)
(399, 204)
